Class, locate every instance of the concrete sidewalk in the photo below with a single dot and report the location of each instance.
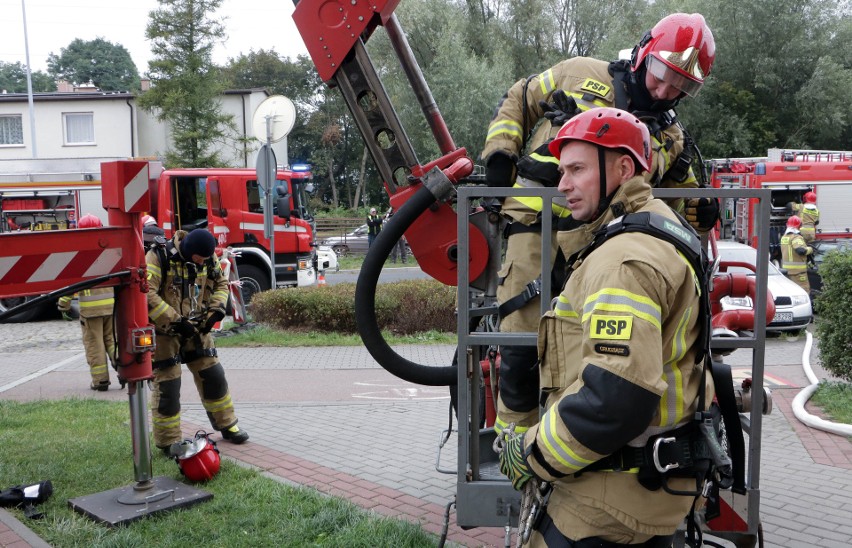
(307, 409)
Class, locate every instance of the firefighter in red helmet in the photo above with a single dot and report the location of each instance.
(618, 351)
(96, 322)
(671, 62)
(795, 252)
(809, 214)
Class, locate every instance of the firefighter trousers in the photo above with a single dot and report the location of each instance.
(518, 397)
(209, 377)
(99, 344)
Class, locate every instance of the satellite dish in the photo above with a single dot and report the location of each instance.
(281, 114)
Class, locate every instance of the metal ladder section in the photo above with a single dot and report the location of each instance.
(484, 497)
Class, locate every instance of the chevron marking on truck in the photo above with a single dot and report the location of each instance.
(40, 267)
(137, 187)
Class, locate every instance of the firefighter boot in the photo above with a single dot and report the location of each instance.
(235, 435)
(101, 386)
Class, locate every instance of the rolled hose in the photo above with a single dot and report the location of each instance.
(365, 300)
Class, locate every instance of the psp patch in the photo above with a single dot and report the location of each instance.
(614, 349)
(611, 327)
(596, 88)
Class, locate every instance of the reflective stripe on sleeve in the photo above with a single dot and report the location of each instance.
(621, 300)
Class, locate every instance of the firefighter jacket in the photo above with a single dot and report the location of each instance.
(618, 365)
(181, 288)
(809, 214)
(93, 302)
(590, 84)
(794, 253)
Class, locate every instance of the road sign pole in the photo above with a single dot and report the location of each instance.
(266, 172)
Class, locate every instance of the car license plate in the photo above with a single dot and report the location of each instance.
(783, 317)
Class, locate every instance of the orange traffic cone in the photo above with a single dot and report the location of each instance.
(321, 279)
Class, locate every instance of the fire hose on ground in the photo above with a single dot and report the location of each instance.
(802, 398)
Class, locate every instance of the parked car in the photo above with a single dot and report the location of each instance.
(821, 249)
(792, 303)
(351, 243)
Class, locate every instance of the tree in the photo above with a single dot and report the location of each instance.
(106, 65)
(185, 84)
(13, 79)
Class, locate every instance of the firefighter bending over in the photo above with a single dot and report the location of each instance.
(670, 63)
(187, 294)
(795, 253)
(618, 351)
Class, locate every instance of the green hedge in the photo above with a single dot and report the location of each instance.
(833, 328)
(404, 308)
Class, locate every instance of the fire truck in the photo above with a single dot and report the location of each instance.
(789, 174)
(229, 202)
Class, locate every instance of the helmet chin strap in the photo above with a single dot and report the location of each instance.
(603, 199)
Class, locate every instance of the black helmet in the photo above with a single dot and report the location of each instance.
(198, 242)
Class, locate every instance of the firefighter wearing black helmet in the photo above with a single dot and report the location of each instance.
(187, 295)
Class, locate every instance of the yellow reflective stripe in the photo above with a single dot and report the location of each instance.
(154, 270)
(563, 308)
(158, 310)
(536, 204)
(692, 271)
(222, 294)
(583, 104)
(500, 425)
(671, 402)
(99, 302)
(219, 405)
(621, 300)
(547, 159)
(508, 127)
(547, 82)
(166, 422)
(65, 299)
(97, 369)
(557, 448)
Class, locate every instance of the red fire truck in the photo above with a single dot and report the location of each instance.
(229, 203)
(789, 174)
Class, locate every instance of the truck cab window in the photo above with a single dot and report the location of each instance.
(255, 201)
(190, 195)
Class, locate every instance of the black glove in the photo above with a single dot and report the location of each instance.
(702, 213)
(212, 318)
(500, 170)
(184, 328)
(561, 108)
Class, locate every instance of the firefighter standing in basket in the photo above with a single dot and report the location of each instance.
(795, 253)
(187, 295)
(618, 352)
(670, 62)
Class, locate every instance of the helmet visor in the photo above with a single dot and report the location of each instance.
(663, 72)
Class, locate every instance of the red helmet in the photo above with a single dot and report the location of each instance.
(89, 221)
(680, 50)
(810, 197)
(147, 220)
(609, 128)
(198, 459)
(794, 222)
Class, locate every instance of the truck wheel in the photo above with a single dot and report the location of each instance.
(21, 317)
(254, 281)
(341, 250)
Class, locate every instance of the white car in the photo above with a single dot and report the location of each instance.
(792, 303)
(326, 259)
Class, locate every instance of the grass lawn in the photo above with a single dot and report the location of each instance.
(83, 446)
(260, 335)
(835, 398)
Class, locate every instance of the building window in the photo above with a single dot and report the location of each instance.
(79, 128)
(11, 130)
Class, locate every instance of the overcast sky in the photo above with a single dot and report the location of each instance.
(53, 24)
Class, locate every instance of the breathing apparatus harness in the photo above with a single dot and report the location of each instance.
(185, 287)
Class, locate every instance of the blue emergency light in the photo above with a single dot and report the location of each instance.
(301, 167)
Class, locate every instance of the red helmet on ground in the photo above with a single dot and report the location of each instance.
(680, 50)
(609, 128)
(89, 221)
(794, 222)
(810, 197)
(198, 459)
(147, 220)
